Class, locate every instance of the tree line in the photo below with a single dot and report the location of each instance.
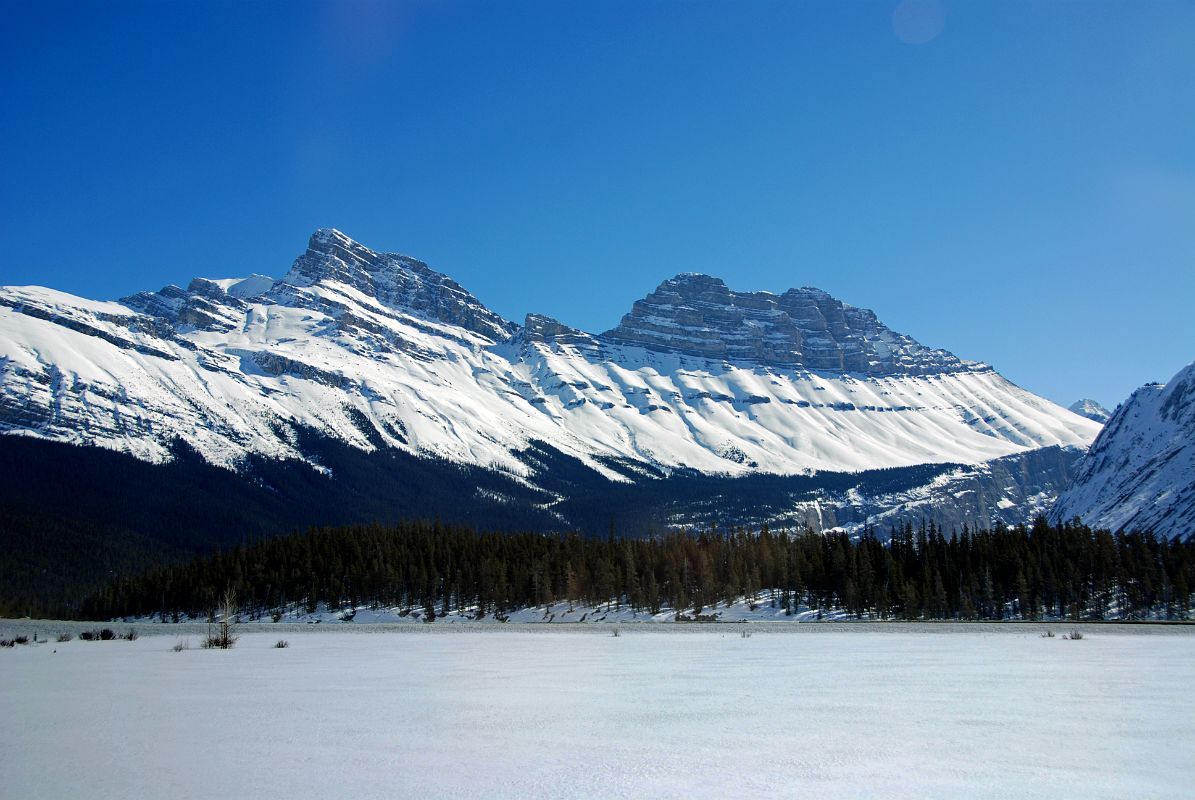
(1027, 572)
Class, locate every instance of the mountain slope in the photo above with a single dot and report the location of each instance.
(1140, 472)
(379, 351)
(73, 518)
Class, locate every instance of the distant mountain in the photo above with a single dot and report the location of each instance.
(1140, 472)
(379, 353)
(1091, 409)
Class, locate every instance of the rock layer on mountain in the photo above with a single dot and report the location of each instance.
(697, 315)
(395, 281)
(1140, 472)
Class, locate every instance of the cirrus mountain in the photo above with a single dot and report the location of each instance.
(704, 405)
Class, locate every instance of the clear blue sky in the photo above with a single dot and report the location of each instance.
(1013, 181)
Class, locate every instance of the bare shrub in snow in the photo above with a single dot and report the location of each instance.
(65, 637)
(181, 645)
(222, 637)
(281, 644)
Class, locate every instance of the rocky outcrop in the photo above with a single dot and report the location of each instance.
(697, 315)
(540, 329)
(204, 305)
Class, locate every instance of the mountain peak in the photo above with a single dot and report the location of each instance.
(395, 280)
(332, 255)
(1091, 409)
(699, 315)
(693, 280)
(328, 234)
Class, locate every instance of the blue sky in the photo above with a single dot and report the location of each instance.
(1013, 181)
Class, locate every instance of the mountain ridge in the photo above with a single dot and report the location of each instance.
(380, 352)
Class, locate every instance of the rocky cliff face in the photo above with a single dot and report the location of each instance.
(697, 315)
(542, 330)
(1140, 472)
(395, 281)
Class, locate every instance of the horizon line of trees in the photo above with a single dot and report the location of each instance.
(1063, 570)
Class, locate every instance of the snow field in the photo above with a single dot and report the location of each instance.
(876, 711)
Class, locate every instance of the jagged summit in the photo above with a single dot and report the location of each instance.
(394, 280)
(331, 259)
(699, 315)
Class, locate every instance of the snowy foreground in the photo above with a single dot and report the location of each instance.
(828, 710)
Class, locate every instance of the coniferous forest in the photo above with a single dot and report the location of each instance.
(1026, 572)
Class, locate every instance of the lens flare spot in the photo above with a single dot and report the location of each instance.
(918, 21)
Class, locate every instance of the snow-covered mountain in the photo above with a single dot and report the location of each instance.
(1140, 472)
(1091, 409)
(381, 352)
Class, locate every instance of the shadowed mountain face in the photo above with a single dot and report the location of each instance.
(73, 518)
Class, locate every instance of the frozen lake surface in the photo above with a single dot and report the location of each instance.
(858, 710)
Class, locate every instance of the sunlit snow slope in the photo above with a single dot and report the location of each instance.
(379, 350)
(1140, 472)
